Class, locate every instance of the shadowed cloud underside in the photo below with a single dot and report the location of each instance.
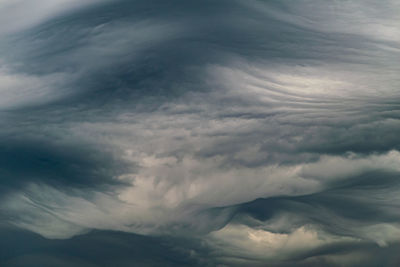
(199, 133)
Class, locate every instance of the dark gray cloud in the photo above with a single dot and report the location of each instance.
(96, 249)
(176, 133)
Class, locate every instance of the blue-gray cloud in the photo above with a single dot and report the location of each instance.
(229, 132)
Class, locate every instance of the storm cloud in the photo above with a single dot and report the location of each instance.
(199, 133)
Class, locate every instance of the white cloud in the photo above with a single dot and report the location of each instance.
(238, 241)
(19, 89)
(166, 193)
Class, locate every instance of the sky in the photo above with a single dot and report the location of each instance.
(199, 133)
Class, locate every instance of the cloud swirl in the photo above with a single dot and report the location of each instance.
(208, 133)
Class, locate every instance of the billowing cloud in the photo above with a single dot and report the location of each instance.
(227, 133)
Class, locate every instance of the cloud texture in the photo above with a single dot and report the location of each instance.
(208, 133)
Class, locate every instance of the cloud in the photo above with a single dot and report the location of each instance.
(271, 136)
(161, 201)
(19, 89)
(21, 14)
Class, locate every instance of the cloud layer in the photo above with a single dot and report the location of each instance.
(213, 133)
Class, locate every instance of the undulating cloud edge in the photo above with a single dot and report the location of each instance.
(270, 137)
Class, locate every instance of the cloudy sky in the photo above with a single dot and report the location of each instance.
(199, 133)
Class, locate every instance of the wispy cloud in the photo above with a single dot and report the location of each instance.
(242, 132)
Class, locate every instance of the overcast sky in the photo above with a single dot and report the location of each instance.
(199, 133)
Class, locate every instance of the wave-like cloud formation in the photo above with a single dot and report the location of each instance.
(244, 133)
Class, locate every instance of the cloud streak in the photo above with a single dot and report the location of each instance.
(235, 144)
